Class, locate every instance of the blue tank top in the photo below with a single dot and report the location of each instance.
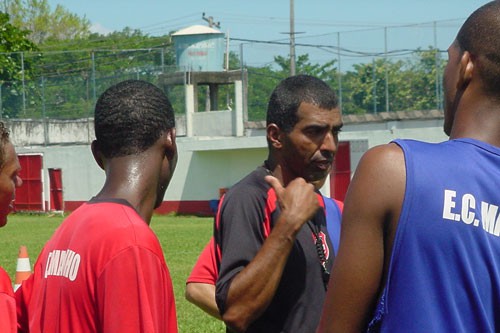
(444, 274)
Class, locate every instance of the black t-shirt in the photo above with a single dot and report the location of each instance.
(247, 215)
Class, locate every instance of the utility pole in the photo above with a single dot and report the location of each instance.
(210, 21)
(292, 39)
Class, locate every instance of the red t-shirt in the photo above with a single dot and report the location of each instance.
(103, 270)
(205, 269)
(7, 304)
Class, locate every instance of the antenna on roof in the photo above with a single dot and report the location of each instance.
(210, 21)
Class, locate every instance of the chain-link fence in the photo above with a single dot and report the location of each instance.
(382, 69)
(65, 85)
(373, 70)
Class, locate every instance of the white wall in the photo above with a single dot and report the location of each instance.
(200, 175)
(206, 164)
(81, 176)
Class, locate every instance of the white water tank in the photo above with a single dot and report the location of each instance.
(199, 48)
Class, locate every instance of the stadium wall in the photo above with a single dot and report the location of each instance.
(207, 164)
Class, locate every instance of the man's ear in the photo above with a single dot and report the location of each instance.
(274, 135)
(96, 152)
(170, 144)
(466, 70)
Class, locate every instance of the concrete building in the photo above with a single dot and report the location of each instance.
(215, 149)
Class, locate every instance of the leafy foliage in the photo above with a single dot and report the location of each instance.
(75, 66)
(47, 25)
(262, 80)
(75, 72)
(400, 85)
(13, 67)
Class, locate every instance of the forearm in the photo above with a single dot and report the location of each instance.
(253, 289)
(203, 296)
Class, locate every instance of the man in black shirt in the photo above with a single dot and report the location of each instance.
(272, 246)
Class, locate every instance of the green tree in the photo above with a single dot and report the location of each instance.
(408, 84)
(262, 80)
(12, 42)
(45, 24)
(425, 81)
(74, 72)
(14, 69)
(361, 87)
(327, 72)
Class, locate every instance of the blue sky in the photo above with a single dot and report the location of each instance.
(358, 23)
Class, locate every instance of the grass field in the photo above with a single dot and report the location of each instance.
(182, 239)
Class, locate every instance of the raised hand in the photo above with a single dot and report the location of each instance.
(298, 201)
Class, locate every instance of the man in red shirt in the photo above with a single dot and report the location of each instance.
(9, 180)
(103, 270)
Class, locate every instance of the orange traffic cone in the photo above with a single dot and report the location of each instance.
(23, 270)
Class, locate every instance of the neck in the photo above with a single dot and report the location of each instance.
(130, 179)
(277, 170)
(479, 120)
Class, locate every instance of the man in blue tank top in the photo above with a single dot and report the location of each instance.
(420, 242)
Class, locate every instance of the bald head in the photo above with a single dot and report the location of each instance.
(479, 36)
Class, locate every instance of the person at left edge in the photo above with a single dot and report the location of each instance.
(103, 270)
(9, 180)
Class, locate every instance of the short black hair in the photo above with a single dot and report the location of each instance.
(130, 117)
(291, 92)
(480, 36)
